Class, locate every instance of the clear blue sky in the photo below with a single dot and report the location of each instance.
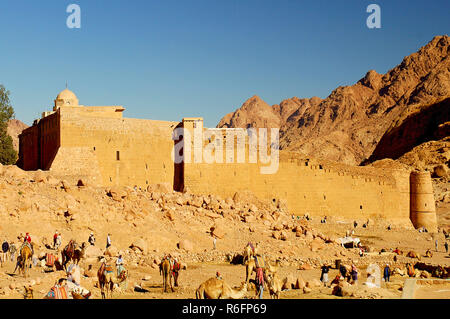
(171, 59)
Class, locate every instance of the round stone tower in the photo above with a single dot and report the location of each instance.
(423, 208)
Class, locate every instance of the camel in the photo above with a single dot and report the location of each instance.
(24, 259)
(72, 252)
(250, 267)
(165, 270)
(249, 252)
(413, 254)
(107, 278)
(275, 285)
(215, 288)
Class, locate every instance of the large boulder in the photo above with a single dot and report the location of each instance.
(160, 188)
(186, 245)
(300, 283)
(289, 283)
(117, 193)
(39, 176)
(141, 244)
(440, 171)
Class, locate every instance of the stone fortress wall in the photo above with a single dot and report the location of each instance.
(100, 146)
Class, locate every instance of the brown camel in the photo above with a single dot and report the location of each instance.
(107, 278)
(413, 254)
(165, 270)
(215, 288)
(249, 252)
(275, 285)
(72, 252)
(24, 259)
(250, 267)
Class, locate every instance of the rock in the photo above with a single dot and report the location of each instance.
(196, 201)
(160, 188)
(440, 170)
(39, 176)
(147, 278)
(283, 235)
(305, 267)
(289, 283)
(277, 227)
(141, 244)
(313, 283)
(300, 283)
(276, 235)
(117, 194)
(169, 215)
(92, 251)
(306, 290)
(186, 245)
(249, 219)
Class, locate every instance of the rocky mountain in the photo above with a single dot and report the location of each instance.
(380, 116)
(15, 127)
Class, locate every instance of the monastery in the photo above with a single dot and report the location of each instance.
(97, 144)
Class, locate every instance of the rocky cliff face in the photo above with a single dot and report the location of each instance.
(349, 124)
(15, 127)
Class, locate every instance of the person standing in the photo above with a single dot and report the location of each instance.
(12, 251)
(58, 241)
(91, 239)
(436, 245)
(108, 241)
(354, 274)
(387, 273)
(446, 246)
(119, 265)
(259, 275)
(55, 238)
(343, 271)
(324, 274)
(27, 238)
(214, 242)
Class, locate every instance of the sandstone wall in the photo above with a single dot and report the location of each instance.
(39, 143)
(310, 187)
(129, 151)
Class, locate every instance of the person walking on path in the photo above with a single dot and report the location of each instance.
(324, 274)
(387, 273)
(108, 241)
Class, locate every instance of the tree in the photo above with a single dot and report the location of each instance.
(8, 155)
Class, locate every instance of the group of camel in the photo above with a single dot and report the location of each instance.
(217, 288)
(71, 252)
